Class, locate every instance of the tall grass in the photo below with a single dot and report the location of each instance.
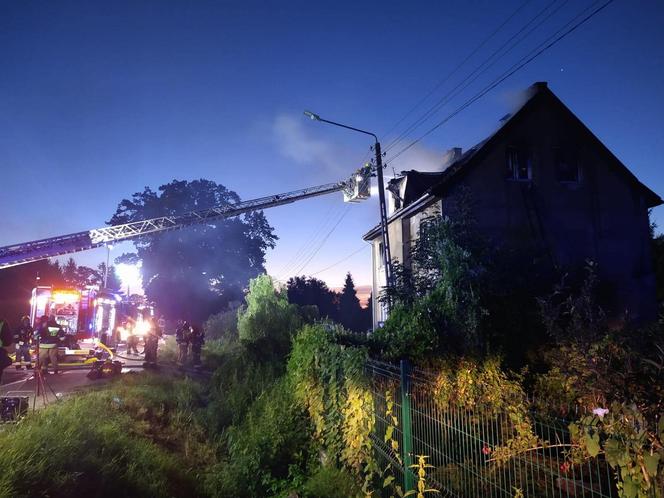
(136, 438)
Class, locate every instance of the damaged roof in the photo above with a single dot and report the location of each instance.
(440, 182)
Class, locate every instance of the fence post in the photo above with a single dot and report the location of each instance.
(406, 427)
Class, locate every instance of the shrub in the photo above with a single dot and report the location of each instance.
(268, 321)
(262, 449)
(241, 376)
(222, 326)
(331, 482)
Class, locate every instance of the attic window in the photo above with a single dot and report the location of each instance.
(518, 164)
(567, 167)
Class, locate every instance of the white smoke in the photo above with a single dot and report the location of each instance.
(418, 158)
(297, 143)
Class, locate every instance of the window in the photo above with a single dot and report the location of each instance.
(381, 257)
(567, 167)
(518, 164)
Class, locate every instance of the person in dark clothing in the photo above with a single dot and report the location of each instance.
(197, 340)
(51, 336)
(182, 336)
(23, 338)
(6, 342)
(152, 343)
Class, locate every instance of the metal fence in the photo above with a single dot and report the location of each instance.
(458, 443)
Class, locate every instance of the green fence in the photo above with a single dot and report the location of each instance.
(459, 442)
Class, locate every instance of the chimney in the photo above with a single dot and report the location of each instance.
(450, 157)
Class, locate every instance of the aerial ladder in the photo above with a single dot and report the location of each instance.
(355, 189)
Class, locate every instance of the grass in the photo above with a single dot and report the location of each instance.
(136, 438)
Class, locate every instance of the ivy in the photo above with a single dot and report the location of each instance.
(330, 384)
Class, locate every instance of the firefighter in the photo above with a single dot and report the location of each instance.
(51, 336)
(152, 344)
(182, 337)
(6, 342)
(23, 339)
(197, 340)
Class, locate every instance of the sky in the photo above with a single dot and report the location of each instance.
(100, 99)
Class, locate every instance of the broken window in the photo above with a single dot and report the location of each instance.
(567, 167)
(518, 164)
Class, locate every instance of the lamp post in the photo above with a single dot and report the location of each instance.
(387, 259)
(108, 257)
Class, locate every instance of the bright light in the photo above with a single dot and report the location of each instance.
(66, 297)
(130, 276)
(124, 333)
(142, 328)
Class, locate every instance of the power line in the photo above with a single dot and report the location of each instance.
(495, 56)
(511, 71)
(308, 243)
(345, 258)
(327, 236)
(457, 68)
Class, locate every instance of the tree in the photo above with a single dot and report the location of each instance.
(112, 279)
(310, 291)
(350, 311)
(268, 322)
(195, 272)
(17, 282)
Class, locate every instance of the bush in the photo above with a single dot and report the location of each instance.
(331, 482)
(222, 326)
(268, 321)
(263, 448)
(241, 376)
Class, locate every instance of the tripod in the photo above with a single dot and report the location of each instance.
(40, 383)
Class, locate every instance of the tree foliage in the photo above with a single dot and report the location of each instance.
(268, 322)
(308, 291)
(80, 276)
(437, 298)
(343, 307)
(350, 311)
(195, 272)
(17, 282)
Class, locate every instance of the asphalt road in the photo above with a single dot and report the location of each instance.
(70, 379)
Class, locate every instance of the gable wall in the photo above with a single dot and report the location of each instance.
(603, 217)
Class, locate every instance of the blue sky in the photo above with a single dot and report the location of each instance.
(99, 99)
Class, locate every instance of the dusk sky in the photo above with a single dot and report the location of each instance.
(100, 99)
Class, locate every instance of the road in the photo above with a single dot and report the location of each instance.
(69, 380)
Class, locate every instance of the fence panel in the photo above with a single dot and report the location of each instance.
(459, 444)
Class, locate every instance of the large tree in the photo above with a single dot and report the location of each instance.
(309, 291)
(194, 272)
(350, 310)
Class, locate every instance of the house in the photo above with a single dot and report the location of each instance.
(541, 178)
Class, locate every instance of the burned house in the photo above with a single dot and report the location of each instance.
(543, 178)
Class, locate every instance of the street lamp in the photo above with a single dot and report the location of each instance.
(108, 257)
(387, 259)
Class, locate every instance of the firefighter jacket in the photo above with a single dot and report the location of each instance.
(51, 335)
(197, 337)
(183, 334)
(23, 335)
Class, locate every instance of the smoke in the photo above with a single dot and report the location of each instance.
(419, 158)
(297, 143)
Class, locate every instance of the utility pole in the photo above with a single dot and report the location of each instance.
(387, 255)
(387, 258)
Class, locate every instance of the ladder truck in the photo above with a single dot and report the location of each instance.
(355, 189)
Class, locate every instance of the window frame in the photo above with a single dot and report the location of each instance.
(521, 154)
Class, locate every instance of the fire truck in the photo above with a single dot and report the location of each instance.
(82, 313)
